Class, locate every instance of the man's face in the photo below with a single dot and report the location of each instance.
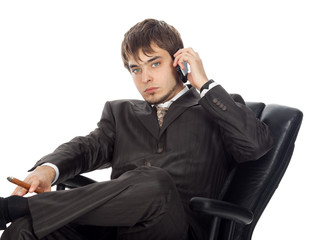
(154, 76)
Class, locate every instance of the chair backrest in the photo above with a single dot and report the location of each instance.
(252, 184)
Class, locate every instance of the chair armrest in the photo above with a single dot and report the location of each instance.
(222, 209)
(77, 181)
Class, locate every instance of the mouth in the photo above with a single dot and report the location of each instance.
(151, 90)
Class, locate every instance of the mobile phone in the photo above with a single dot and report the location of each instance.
(183, 73)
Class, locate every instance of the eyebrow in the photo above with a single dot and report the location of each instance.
(149, 61)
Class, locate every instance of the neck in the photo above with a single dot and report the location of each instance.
(174, 98)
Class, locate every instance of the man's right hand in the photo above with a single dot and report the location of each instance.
(41, 178)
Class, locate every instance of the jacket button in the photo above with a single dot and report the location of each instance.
(148, 164)
(215, 100)
(223, 107)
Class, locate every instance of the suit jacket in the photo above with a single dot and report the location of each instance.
(199, 139)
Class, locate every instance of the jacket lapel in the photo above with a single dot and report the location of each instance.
(186, 101)
(147, 114)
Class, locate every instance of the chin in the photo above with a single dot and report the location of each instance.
(157, 99)
(150, 99)
(154, 101)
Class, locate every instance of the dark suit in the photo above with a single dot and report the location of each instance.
(198, 141)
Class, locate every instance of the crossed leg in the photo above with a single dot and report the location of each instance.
(142, 203)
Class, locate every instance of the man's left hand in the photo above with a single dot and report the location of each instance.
(197, 76)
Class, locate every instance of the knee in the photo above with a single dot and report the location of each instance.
(20, 229)
(158, 180)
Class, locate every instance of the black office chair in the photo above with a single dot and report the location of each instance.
(250, 185)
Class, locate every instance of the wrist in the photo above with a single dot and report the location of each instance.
(206, 85)
(48, 171)
(200, 84)
(53, 166)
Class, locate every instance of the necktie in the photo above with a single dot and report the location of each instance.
(161, 112)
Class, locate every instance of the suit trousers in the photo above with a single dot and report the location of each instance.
(141, 204)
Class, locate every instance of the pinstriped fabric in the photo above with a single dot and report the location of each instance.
(157, 206)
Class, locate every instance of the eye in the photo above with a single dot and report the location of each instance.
(135, 70)
(155, 64)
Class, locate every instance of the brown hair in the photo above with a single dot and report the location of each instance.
(148, 32)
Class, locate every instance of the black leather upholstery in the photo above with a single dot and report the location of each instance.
(78, 181)
(250, 185)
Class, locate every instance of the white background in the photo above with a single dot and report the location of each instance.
(60, 61)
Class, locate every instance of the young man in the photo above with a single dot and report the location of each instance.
(175, 145)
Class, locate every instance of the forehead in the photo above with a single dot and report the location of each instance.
(143, 57)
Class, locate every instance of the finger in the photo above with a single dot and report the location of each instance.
(178, 55)
(176, 59)
(178, 52)
(34, 186)
(19, 191)
(15, 192)
(185, 57)
(185, 50)
(47, 189)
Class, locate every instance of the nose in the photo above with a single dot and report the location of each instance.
(146, 75)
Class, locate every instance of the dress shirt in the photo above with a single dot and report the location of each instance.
(170, 102)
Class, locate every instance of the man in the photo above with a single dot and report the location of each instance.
(177, 144)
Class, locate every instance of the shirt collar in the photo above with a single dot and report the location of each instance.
(168, 103)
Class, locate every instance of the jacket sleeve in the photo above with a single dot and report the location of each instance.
(245, 136)
(83, 154)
